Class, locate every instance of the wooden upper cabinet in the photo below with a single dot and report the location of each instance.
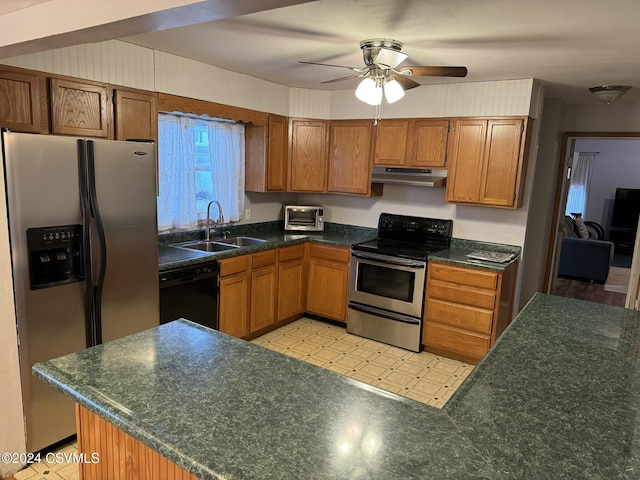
(503, 163)
(277, 154)
(136, 115)
(429, 143)
(411, 143)
(465, 166)
(308, 141)
(350, 156)
(80, 108)
(487, 163)
(266, 155)
(391, 143)
(23, 101)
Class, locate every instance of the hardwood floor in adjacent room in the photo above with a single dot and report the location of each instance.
(591, 292)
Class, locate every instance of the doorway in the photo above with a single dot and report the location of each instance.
(595, 268)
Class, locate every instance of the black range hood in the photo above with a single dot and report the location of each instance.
(420, 177)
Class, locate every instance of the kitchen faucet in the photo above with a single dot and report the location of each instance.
(220, 218)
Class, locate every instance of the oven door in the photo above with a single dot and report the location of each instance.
(386, 282)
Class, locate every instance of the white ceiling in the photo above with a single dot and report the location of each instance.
(569, 45)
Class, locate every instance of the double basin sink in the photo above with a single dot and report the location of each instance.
(220, 244)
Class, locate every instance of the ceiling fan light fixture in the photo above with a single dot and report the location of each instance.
(370, 91)
(393, 91)
(609, 93)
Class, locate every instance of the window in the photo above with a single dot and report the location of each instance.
(200, 159)
(579, 183)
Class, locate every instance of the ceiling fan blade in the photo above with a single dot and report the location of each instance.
(331, 65)
(405, 82)
(343, 78)
(434, 71)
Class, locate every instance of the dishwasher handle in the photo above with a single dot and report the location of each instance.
(181, 276)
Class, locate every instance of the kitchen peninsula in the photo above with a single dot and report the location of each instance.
(557, 397)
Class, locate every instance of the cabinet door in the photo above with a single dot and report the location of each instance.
(136, 115)
(465, 165)
(327, 289)
(79, 108)
(23, 106)
(277, 154)
(391, 143)
(291, 284)
(263, 298)
(429, 145)
(350, 156)
(502, 162)
(234, 304)
(308, 160)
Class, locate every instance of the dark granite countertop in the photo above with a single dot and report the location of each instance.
(557, 397)
(457, 253)
(336, 234)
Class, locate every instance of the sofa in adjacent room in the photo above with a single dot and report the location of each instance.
(585, 259)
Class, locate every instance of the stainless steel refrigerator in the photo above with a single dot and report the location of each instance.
(83, 236)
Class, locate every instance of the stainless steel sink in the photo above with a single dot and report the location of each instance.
(204, 246)
(241, 241)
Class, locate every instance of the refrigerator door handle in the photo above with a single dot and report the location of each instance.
(101, 246)
(85, 209)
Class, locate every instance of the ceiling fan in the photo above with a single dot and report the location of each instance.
(382, 72)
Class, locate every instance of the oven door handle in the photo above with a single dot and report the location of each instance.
(390, 260)
(396, 317)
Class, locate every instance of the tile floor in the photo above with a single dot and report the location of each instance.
(421, 376)
(52, 471)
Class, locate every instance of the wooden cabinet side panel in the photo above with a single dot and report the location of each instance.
(391, 143)
(502, 162)
(277, 154)
(121, 457)
(308, 156)
(465, 166)
(136, 115)
(429, 147)
(350, 157)
(234, 305)
(79, 108)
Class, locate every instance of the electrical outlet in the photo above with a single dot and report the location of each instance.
(247, 214)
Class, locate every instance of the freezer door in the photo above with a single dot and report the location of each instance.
(42, 190)
(125, 184)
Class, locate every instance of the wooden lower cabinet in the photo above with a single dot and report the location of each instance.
(233, 298)
(291, 282)
(466, 309)
(263, 290)
(328, 281)
(112, 454)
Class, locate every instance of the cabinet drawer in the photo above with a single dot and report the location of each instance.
(461, 294)
(457, 341)
(261, 259)
(330, 252)
(229, 266)
(465, 276)
(291, 253)
(461, 316)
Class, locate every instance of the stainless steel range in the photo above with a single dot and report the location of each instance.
(387, 279)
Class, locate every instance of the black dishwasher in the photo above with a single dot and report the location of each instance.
(190, 292)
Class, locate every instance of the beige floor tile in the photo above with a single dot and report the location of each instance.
(423, 377)
(27, 474)
(69, 472)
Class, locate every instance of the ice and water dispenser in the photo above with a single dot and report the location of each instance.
(55, 255)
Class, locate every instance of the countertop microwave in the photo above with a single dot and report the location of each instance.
(309, 218)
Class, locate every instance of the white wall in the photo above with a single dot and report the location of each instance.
(617, 165)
